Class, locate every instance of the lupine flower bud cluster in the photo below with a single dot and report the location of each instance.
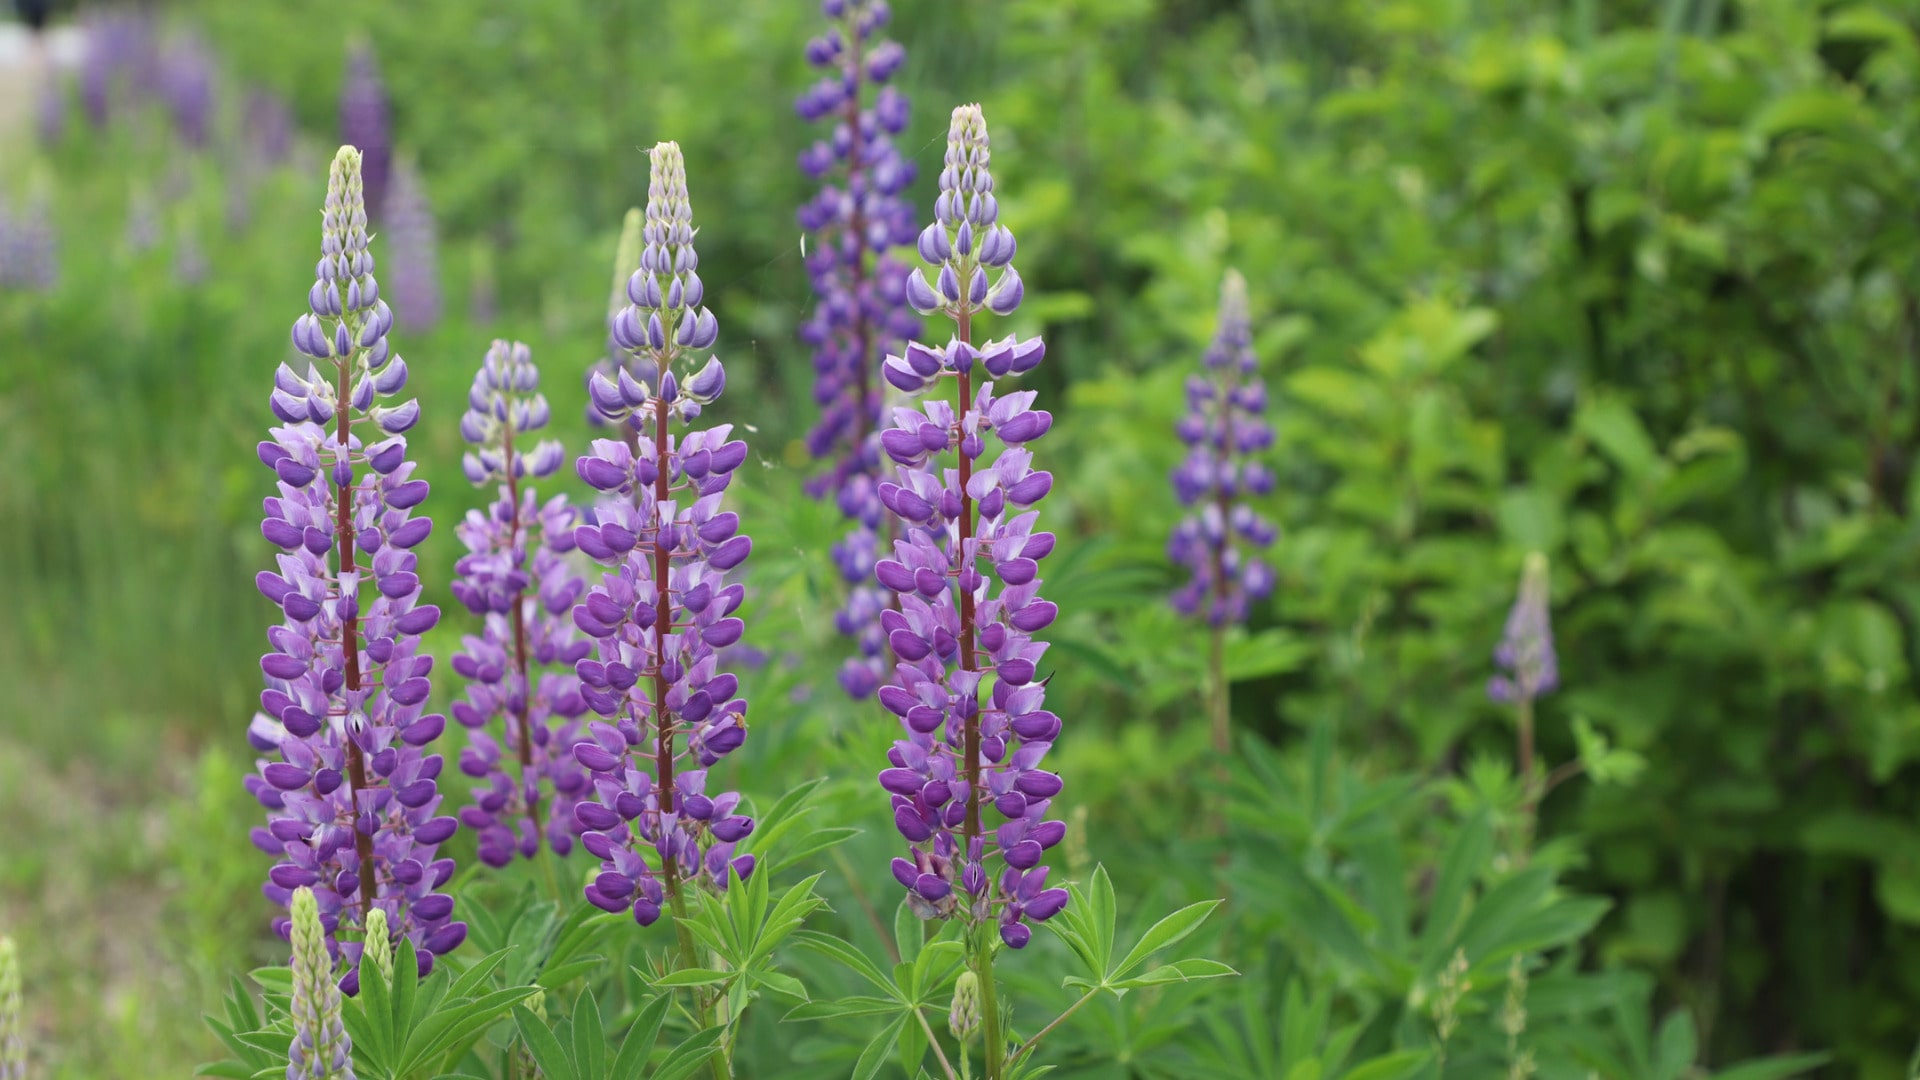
(364, 124)
(1528, 666)
(856, 221)
(13, 1022)
(516, 578)
(662, 610)
(321, 1049)
(966, 574)
(350, 791)
(1224, 428)
(413, 241)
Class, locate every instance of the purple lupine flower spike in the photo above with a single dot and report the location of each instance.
(1224, 429)
(29, 250)
(364, 123)
(413, 247)
(520, 667)
(186, 84)
(1525, 656)
(349, 788)
(861, 315)
(662, 610)
(966, 572)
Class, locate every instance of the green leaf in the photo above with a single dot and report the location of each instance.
(1773, 1068)
(1396, 1066)
(1466, 857)
(878, 1050)
(1164, 933)
(553, 1061)
(1178, 971)
(780, 983)
(846, 954)
(589, 1036)
(638, 1045)
(692, 1053)
(848, 1006)
(694, 977)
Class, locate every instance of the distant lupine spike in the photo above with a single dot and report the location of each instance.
(29, 250)
(483, 300)
(119, 62)
(50, 111)
(1224, 429)
(967, 576)
(860, 314)
(1528, 666)
(518, 581)
(186, 84)
(626, 260)
(413, 246)
(364, 123)
(349, 788)
(143, 219)
(663, 610)
(269, 127)
(13, 1021)
(321, 1049)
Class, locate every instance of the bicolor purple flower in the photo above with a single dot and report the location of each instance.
(1224, 428)
(364, 123)
(350, 789)
(516, 578)
(413, 246)
(1525, 656)
(856, 221)
(321, 1048)
(966, 574)
(663, 609)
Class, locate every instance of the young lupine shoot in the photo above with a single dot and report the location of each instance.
(966, 574)
(663, 609)
(350, 792)
(321, 1049)
(516, 578)
(1224, 428)
(860, 313)
(13, 1021)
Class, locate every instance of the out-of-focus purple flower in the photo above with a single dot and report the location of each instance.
(186, 84)
(120, 63)
(29, 249)
(413, 247)
(269, 127)
(364, 123)
(860, 314)
(143, 219)
(483, 301)
(189, 258)
(663, 610)
(967, 577)
(520, 667)
(351, 793)
(1225, 428)
(50, 111)
(321, 1049)
(1525, 656)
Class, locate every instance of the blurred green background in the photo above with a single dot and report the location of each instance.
(1634, 284)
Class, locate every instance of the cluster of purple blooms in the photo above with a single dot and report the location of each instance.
(350, 792)
(1528, 666)
(516, 578)
(966, 576)
(1224, 428)
(663, 609)
(861, 314)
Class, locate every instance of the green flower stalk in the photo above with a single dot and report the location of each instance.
(321, 1049)
(13, 1039)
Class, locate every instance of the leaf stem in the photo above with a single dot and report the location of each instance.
(1057, 1021)
(996, 1047)
(945, 1065)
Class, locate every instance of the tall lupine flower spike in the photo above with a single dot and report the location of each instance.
(1224, 429)
(321, 1049)
(663, 609)
(520, 667)
(350, 792)
(364, 124)
(186, 83)
(857, 220)
(966, 572)
(414, 243)
(1528, 667)
(13, 1022)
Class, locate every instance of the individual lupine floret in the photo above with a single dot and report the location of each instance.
(413, 242)
(1528, 665)
(364, 123)
(626, 260)
(1224, 428)
(321, 1049)
(349, 788)
(516, 578)
(966, 573)
(860, 314)
(663, 610)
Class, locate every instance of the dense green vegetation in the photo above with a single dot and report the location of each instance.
(1635, 285)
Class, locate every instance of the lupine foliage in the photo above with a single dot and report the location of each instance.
(1620, 284)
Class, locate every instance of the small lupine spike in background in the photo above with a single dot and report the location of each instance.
(13, 1020)
(364, 123)
(860, 313)
(1527, 668)
(517, 580)
(954, 623)
(321, 1049)
(413, 244)
(350, 792)
(1218, 541)
(662, 610)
